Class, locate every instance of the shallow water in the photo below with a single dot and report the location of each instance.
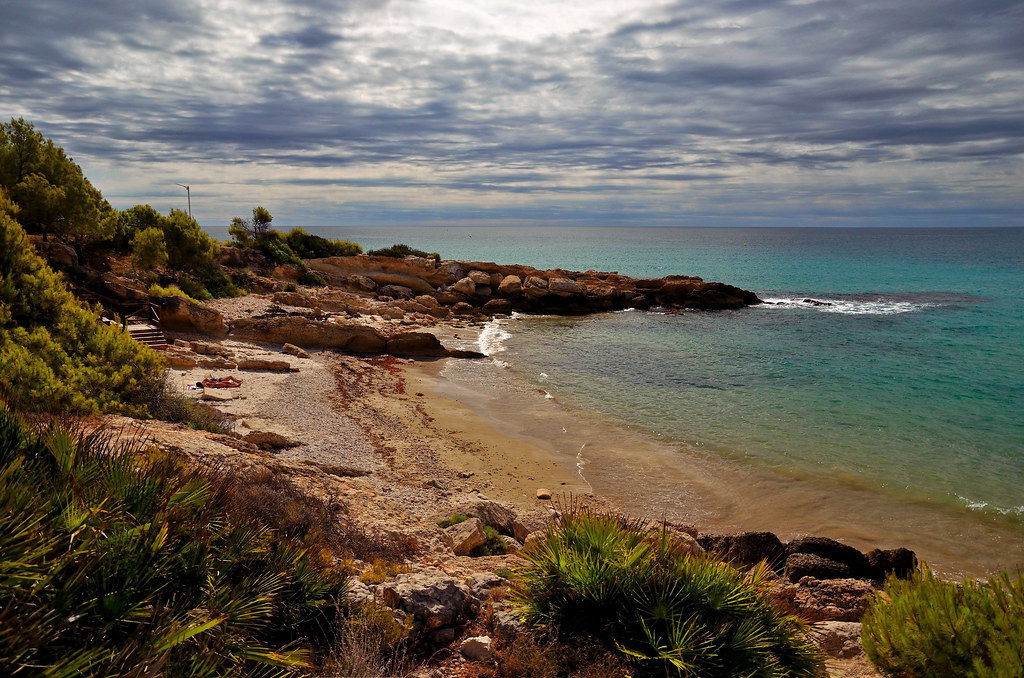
(893, 411)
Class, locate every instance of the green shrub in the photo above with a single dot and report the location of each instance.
(310, 278)
(124, 562)
(494, 546)
(193, 289)
(218, 284)
(242, 280)
(55, 353)
(291, 287)
(273, 246)
(309, 246)
(169, 291)
(924, 626)
(400, 251)
(601, 577)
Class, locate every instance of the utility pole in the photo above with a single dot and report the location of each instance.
(188, 192)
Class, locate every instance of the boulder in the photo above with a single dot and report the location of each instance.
(520, 531)
(483, 291)
(416, 343)
(427, 301)
(535, 286)
(564, 286)
(433, 598)
(512, 545)
(748, 548)
(396, 292)
(499, 516)
(361, 282)
(264, 364)
(466, 536)
(57, 254)
(838, 639)
(832, 600)
(498, 306)
(833, 550)
(299, 331)
(510, 286)
(507, 623)
(267, 440)
(185, 315)
(477, 648)
(465, 286)
(292, 349)
(800, 565)
(177, 357)
(899, 562)
(479, 277)
(291, 299)
(482, 583)
(206, 348)
(543, 493)
(218, 395)
(462, 308)
(216, 363)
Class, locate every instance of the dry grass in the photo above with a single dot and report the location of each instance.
(527, 656)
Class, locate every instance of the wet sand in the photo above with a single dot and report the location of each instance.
(514, 428)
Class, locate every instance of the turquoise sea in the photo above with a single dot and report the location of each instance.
(906, 389)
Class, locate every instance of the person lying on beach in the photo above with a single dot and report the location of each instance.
(221, 382)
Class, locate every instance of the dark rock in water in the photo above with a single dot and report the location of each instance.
(900, 562)
(833, 550)
(748, 548)
(800, 565)
(815, 302)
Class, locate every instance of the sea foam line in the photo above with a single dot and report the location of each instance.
(848, 307)
(492, 338)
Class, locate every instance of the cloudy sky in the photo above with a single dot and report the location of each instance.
(605, 112)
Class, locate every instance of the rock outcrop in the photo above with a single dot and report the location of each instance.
(476, 284)
(431, 597)
(830, 600)
(178, 313)
(748, 548)
(308, 333)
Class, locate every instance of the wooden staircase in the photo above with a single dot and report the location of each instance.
(148, 334)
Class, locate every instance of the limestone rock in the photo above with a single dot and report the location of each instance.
(416, 343)
(291, 299)
(207, 348)
(510, 286)
(176, 357)
(512, 545)
(477, 648)
(348, 336)
(264, 364)
(479, 277)
(483, 291)
(748, 548)
(497, 306)
(433, 598)
(466, 536)
(396, 292)
(292, 349)
(499, 516)
(217, 363)
(506, 623)
(362, 282)
(267, 440)
(482, 583)
(520, 531)
(465, 286)
(543, 493)
(564, 286)
(218, 395)
(462, 308)
(800, 565)
(830, 600)
(427, 301)
(833, 550)
(838, 639)
(177, 313)
(535, 286)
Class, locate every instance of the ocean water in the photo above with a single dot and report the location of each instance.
(903, 388)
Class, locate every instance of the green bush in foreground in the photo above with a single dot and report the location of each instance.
(117, 563)
(924, 626)
(599, 576)
(55, 353)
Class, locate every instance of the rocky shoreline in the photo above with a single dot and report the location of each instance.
(325, 404)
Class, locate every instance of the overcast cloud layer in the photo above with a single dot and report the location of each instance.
(695, 112)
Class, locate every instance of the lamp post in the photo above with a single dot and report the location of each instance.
(188, 192)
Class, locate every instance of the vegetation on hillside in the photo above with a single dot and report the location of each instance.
(55, 354)
(924, 626)
(121, 561)
(595, 576)
(285, 248)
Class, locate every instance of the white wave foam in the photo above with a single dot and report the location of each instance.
(984, 505)
(492, 338)
(848, 307)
